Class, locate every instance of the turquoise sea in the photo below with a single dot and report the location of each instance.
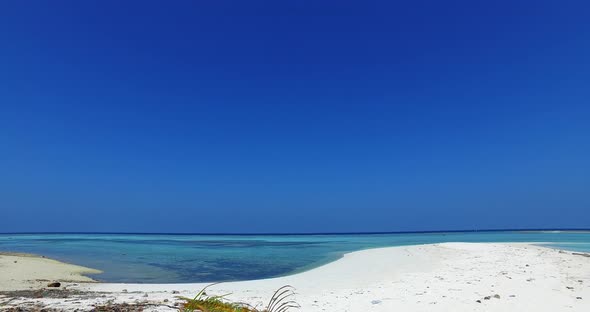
(175, 258)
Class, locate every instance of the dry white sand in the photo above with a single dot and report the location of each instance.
(439, 277)
(24, 271)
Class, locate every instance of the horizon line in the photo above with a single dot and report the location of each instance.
(310, 233)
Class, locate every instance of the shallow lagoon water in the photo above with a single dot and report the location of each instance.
(173, 258)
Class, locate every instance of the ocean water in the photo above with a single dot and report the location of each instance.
(155, 258)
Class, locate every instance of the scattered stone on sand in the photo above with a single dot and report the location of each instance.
(487, 298)
(497, 296)
(376, 302)
(579, 298)
(581, 254)
(45, 293)
(122, 307)
(54, 284)
(176, 292)
(569, 287)
(478, 301)
(124, 290)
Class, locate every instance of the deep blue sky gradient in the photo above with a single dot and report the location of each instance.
(294, 116)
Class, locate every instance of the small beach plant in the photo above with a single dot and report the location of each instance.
(281, 301)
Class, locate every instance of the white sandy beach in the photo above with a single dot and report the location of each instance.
(23, 271)
(437, 277)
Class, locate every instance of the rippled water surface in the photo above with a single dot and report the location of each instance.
(151, 258)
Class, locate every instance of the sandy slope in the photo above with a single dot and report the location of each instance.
(438, 277)
(23, 271)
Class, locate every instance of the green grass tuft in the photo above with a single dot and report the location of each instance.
(281, 301)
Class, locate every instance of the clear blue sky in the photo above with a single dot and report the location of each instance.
(294, 116)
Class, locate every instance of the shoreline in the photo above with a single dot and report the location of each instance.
(24, 271)
(433, 277)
